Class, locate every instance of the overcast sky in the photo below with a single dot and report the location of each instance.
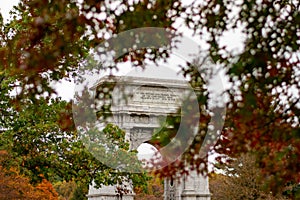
(6, 6)
(65, 89)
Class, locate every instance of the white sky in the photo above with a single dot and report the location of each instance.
(65, 89)
(6, 6)
(232, 39)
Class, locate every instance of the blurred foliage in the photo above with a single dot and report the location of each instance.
(70, 190)
(13, 185)
(241, 179)
(48, 40)
(153, 191)
(65, 189)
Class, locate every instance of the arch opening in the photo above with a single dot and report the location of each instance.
(148, 155)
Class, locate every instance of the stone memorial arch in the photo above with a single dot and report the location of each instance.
(147, 101)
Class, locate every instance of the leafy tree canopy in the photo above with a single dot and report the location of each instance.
(242, 179)
(15, 186)
(48, 40)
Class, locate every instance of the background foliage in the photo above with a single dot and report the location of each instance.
(47, 40)
(242, 179)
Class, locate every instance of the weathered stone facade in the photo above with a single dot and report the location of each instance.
(139, 104)
(192, 187)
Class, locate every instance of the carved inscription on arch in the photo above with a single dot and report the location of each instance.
(155, 95)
